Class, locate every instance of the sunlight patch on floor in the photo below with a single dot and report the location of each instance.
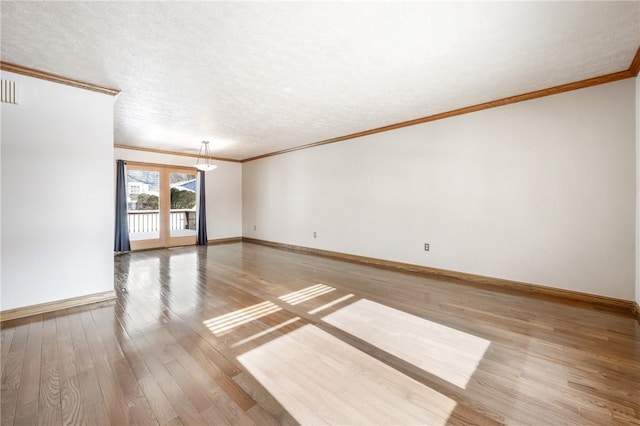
(225, 323)
(443, 351)
(330, 304)
(306, 294)
(319, 379)
(264, 332)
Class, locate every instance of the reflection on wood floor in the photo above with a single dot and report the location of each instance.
(246, 334)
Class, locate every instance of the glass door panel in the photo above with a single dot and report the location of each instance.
(143, 207)
(182, 214)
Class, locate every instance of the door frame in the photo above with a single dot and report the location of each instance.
(164, 206)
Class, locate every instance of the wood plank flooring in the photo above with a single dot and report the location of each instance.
(246, 334)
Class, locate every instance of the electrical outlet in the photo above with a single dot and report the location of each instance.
(254, 227)
(426, 246)
(314, 234)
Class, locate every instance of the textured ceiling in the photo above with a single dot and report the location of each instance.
(260, 77)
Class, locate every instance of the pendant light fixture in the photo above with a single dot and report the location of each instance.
(205, 162)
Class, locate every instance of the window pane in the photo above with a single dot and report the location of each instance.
(182, 221)
(143, 204)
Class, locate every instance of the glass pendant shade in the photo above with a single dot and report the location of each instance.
(205, 162)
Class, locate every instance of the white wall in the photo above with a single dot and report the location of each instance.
(57, 199)
(223, 187)
(540, 191)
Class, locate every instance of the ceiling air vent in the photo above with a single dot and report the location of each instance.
(9, 93)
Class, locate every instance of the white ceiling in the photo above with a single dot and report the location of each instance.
(259, 77)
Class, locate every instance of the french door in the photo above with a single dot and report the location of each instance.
(161, 205)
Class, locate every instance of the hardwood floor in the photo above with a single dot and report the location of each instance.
(247, 334)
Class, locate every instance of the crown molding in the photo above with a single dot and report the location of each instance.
(595, 81)
(632, 71)
(167, 152)
(42, 75)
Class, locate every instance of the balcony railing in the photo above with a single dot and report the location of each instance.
(149, 220)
